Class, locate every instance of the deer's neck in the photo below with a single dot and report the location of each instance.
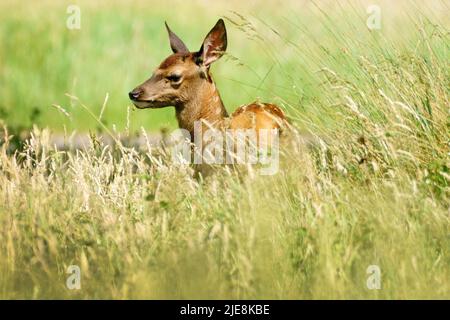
(205, 105)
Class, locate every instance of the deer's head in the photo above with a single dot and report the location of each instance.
(178, 78)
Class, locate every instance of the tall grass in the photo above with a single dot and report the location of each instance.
(372, 189)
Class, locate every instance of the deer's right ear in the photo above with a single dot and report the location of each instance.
(214, 45)
(176, 44)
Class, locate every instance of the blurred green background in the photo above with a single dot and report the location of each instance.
(276, 51)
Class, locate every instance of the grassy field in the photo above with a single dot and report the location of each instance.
(373, 189)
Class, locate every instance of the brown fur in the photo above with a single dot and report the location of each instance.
(208, 106)
(258, 116)
(173, 60)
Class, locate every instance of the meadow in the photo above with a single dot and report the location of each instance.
(366, 182)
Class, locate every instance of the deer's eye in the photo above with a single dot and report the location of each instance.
(174, 77)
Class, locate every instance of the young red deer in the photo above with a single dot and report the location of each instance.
(183, 80)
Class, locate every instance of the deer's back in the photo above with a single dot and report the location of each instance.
(257, 116)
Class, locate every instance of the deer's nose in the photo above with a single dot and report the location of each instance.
(135, 94)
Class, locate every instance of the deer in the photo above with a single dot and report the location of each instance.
(183, 80)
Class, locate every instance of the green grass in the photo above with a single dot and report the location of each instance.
(373, 189)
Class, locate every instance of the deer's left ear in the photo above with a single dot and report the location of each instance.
(214, 45)
(176, 43)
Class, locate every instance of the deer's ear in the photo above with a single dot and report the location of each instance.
(214, 45)
(176, 44)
